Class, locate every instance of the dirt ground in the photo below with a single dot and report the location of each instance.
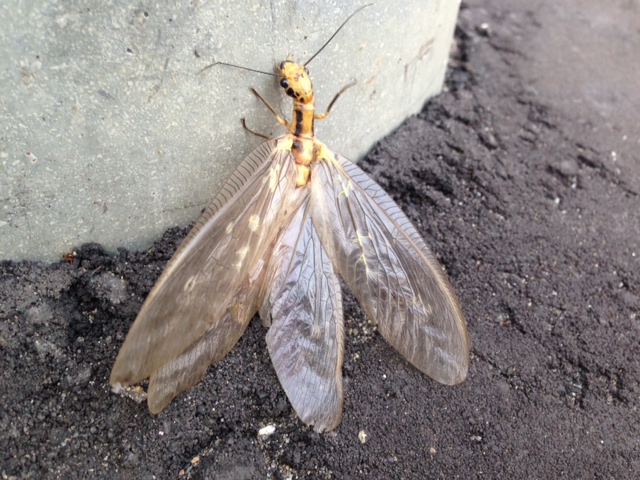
(522, 177)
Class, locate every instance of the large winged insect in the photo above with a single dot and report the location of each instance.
(292, 218)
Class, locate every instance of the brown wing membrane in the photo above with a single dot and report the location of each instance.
(190, 367)
(389, 268)
(305, 340)
(234, 183)
(198, 286)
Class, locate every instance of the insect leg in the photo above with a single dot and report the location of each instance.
(280, 120)
(320, 116)
(244, 125)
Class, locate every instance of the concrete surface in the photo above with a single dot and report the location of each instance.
(110, 135)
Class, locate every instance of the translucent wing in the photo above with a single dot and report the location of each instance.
(190, 367)
(389, 268)
(183, 372)
(199, 284)
(306, 338)
(234, 184)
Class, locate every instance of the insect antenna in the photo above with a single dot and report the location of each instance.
(305, 64)
(336, 32)
(236, 66)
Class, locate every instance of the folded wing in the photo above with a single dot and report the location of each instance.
(305, 340)
(208, 271)
(183, 372)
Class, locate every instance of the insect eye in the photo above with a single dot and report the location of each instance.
(306, 70)
(284, 83)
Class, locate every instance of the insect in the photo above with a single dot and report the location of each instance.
(69, 257)
(292, 218)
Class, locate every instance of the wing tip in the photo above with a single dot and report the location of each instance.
(460, 377)
(157, 405)
(130, 367)
(323, 417)
(456, 374)
(118, 378)
(327, 424)
(123, 376)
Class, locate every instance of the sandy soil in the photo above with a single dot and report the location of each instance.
(523, 178)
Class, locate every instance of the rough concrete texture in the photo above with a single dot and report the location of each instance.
(109, 133)
(511, 178)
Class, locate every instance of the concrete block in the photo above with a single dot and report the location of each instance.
(109, 134)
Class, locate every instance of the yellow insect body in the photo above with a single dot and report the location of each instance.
(293, 217)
